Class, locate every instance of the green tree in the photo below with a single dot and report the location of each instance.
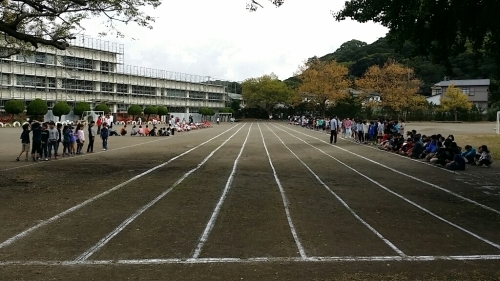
(13, 107)
(80, 108)
(417, 21)
(150, 110)
(454, 100)
(226, 110)
(265, 92)
(134, 110)
(37, 108)
(27, 24)
(61, 108)
(162, 111)
(102, 107)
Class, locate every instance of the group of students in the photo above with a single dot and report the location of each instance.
(46, 138)
(437, 150)
(390, 135)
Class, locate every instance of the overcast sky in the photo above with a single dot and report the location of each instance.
(221, 39)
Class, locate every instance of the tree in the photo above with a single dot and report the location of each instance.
(417, 21)
(37, 108)
(396, 85)
(253, 5)
(323, 83)
(80, 108)
(27, 24)
(453, 100)
(134, 110)
(102, 107)
(61, 108)
(162, 111)
(226, 110)
(150, 110)
(265, 92)
(14, 107)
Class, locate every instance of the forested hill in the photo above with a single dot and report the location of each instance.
(359, 56)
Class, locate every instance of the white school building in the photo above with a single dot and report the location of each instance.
(93, 70)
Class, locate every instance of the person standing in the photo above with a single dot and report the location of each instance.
(172, 124)
(104, 136)
(99, 124)
(25, 141)
(53, 142)
(218, 121)
(334, 128)
(90, 146)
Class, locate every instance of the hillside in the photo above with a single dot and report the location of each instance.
(358, 56)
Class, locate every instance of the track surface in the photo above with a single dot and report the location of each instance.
(260, 201)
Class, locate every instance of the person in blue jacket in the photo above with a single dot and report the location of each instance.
(431, 149)
(458, 162)
(469, 153)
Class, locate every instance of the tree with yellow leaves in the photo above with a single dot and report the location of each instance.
(397, 86)
(454, 100)
(323, 83)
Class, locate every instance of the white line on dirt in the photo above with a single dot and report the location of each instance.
(139, 212)
(400, 196)
(406, 175)
(386, 241)
(215, 213)
(88, 201)
(253, 260)
(90, 154)
(285, 202)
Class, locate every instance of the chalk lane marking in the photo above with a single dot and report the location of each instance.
(252, 260)
(408, 176)
(386, 241)
(139, 212)
(400, 196)
(285, 201)
(215, 213)
(89, 154)
(88, 201)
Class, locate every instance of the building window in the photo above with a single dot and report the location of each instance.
(215, 96)
(5, 79)
(196, 95)
(77, 62)
(122, 88)
(31, 81)
(106, 87)
(468, 91)
(79, 85)
(106, 66)
(176, 94)
(437, 91)
(143, 90)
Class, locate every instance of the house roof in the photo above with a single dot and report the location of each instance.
(460, 83)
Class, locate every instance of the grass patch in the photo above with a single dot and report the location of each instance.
(492, 141)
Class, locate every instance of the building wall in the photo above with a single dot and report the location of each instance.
(78, 74)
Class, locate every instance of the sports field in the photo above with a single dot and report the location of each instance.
(250, 201)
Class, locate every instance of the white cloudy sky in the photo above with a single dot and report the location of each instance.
(221, 39)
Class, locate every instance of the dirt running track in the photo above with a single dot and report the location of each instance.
(251, 201)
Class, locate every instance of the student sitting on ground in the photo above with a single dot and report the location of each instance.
(146, 131)
(458, 162)
(123, 131)
(484, 158)
(418, 147)
(469, 153)
(141, 131)
(152, 133)
(133, 132)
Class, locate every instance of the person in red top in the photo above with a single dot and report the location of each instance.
(99, 124)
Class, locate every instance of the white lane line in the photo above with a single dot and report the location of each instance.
(285, 201)
(139, 212)
(408, 176)
(90, 154)
(88, 201)
(399, 196)
(215, 213)
(386, 241)
(253, 260)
